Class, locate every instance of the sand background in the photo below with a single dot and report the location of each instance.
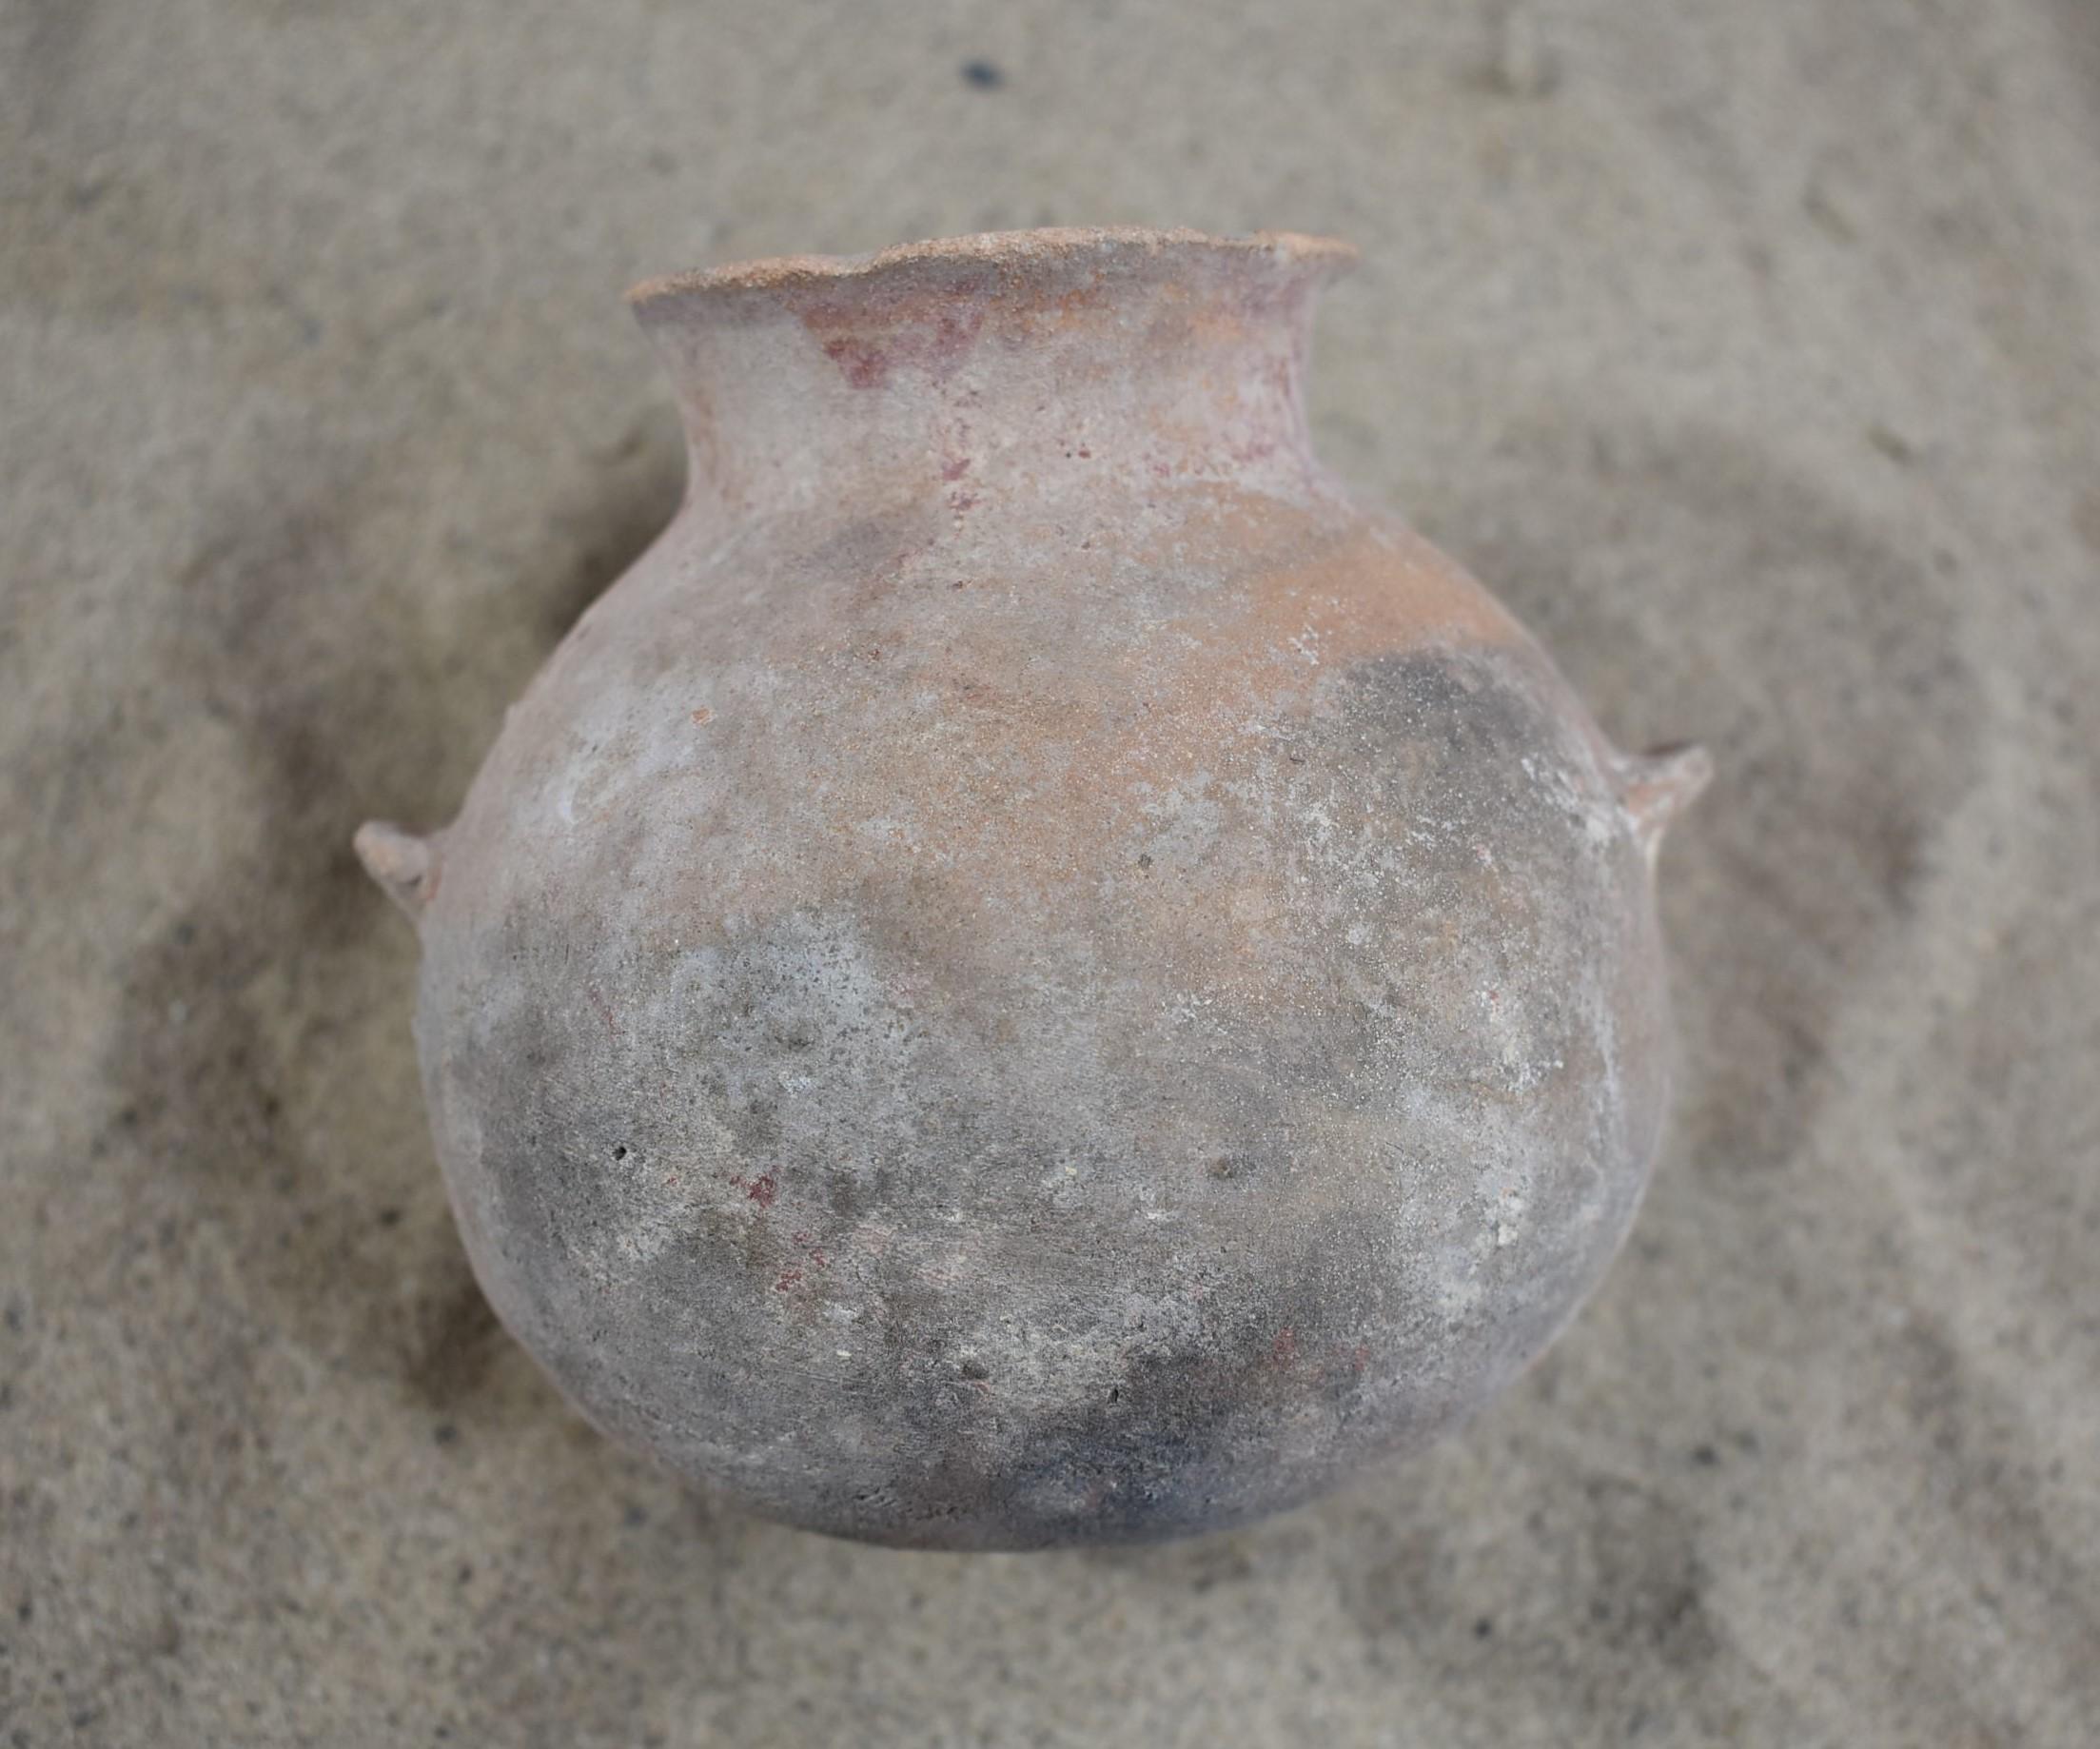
(1751, 351)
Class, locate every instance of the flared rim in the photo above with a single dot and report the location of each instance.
(1034, 249)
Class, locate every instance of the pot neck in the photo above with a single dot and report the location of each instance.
(986, 364)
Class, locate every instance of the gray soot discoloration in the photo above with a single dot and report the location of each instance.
(1096, 1056)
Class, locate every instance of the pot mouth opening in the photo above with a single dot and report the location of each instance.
(1021, 251)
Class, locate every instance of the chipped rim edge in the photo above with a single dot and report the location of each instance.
(1326, 255)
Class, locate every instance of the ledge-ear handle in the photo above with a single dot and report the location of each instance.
(1656, 787)
(405, 865)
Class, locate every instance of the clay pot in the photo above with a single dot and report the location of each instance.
(1032, 975)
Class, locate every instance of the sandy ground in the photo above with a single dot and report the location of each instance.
(1753, 352)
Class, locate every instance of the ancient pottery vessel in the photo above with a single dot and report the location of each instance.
(1032, 975)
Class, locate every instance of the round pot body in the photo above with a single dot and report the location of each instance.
(1033, 974)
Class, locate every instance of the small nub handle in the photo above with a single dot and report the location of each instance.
(405, 865)
(1656, 787)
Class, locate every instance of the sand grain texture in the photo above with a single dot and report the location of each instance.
(1752, 354)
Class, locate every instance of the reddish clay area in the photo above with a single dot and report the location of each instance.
(1033, 974)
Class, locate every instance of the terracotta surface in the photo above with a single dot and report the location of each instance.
(1747, 350)
(1030, 975)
